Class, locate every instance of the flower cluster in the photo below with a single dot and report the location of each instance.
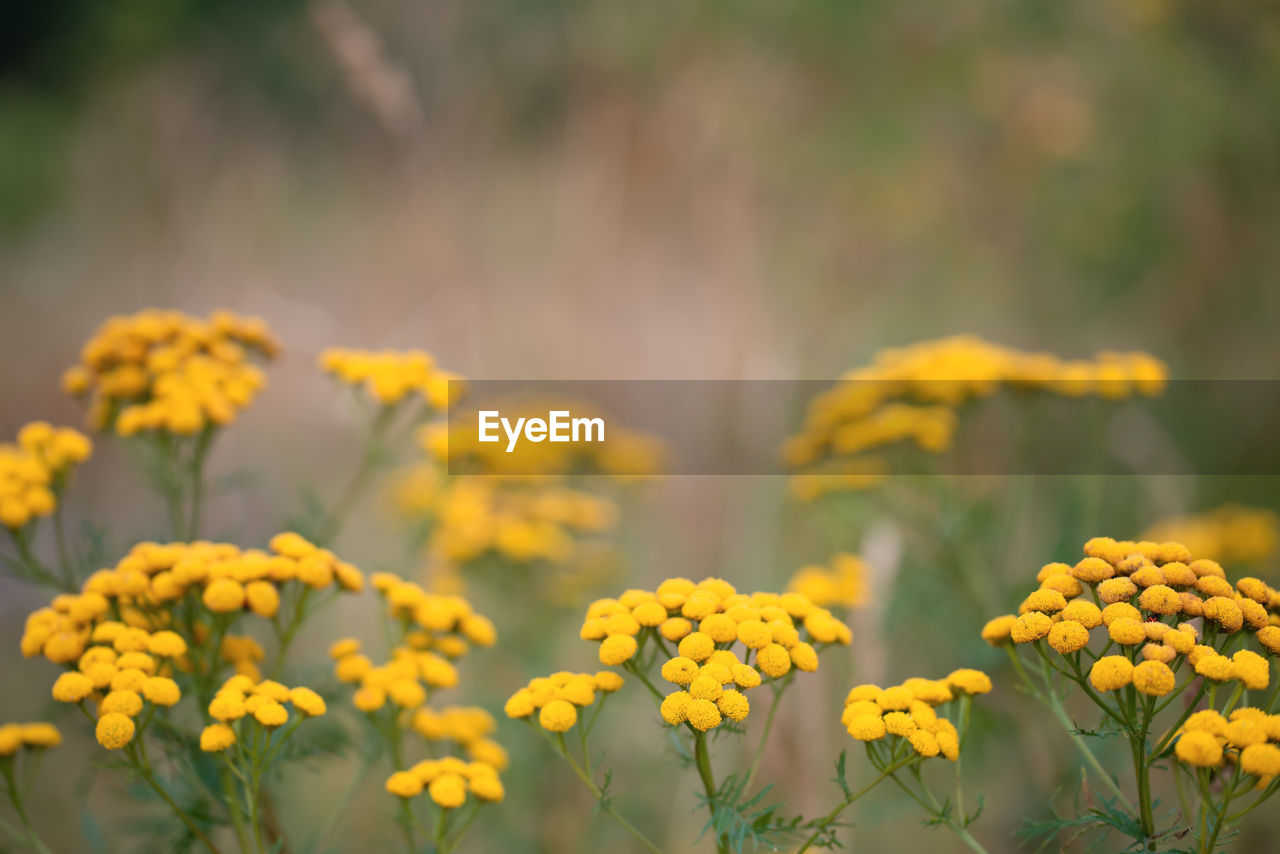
(447, 782)
(1135, 625)
(34, 470)
(909, 712)
(468, 727)
(389, 376)
(146, 589)
(841, 584)
(34, 736)
(1229, 534)
(437, 630)
(169, 371)
(911, 394)
(557, 698)
(255, 702)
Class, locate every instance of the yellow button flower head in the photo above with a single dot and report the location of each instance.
(608, 681)
(999, 630)
(1213, 666)
(224, 595)
(114, 730)
(969, 681)
(696, 646)
(897, 698)
(1030, 626)
(1206, 720)
(342, 648)
(449, 791)
(616, 649)
(1128, 632)
(1160, 599)
(804, 657)
(706, 688)
(1153, 678)
(773, 660)
(487, 788)
(1119, 589)
(404, 784)
(1044, 601)
(124, 702)
(307, 702)
(72, 687)
(1262, 760)
(867, 727)
(271, 714)
(1111, 672)
(1251, 669)
(1199, 748)
(558, 716)
(216, 738)
(40, 735)
(167, 644)
(680, 670)
(675, 707)
(520, 704)
(733, 705)
(1244, 732)
(161, 691)
(1068, 636)
(702, 715)
(924, 743)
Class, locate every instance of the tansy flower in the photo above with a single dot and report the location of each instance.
(449, 791)
(969, 681)
(1251, 669)
(558, 716)
(114, 730)
(998, 630)
(1206, 720)
(924, 743)
(72, 687)
(124, 702)
(733, 705)
(40, 735)
(224, 595)
(404, 784)
(680, 670)
(1199, 748)
(1111, 672)
(271, 714)
(773, 660)
(702, 715)
(161, 690)
(217, 737)
(1068, 636)
(867, 727)
(674, 707)
(615, 649)
(307, 702)
(1127, 632)
(1244, 732)
(1262, 760)
(1153, 678)
(1029, 627)
(696, 646)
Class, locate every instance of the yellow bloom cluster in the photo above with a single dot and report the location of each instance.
(909, 711)
(34, 470)
(390, 376)
(143, 590)
(169, 371)
(447, 782)
(557, 698)
(439, 629)
(842, 584)
(1228, 534)
(1144, 597)
(910, 395)
(469, 727)
(37, 736)
(1247, 736)
(242, 698)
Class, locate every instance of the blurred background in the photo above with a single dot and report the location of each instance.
(538, 189)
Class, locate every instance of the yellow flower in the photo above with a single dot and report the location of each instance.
(1251, 669)
(1213, 666)
(867, 727)
(558, 716)
(1083, 612)
(1029, 627)
(167, 644)
(696, 646)
(263, 598)
(1127, 632)
(217, 737)
(998, 630)
(1044, 601)
(924, 743)
(1160, 599)
(674, 707)
(227, 706)
(1260, 759)
(342, 648)
(449, 791)
(1111, 672)
(114, 730)
(369, 698)
(351, 667)
(124, 702)
(1153, 678)
(680, 670)
(969, 681)
(520, 704)
(72, 687)
(899, 723)
(404, 784)
(41, 735)
(1119, 589)
(804, 657)
(702, 715)
(307, 702)
(224, 595)
(1092, 570)
(733, 705)
(675, 628)
(1206, 720)
(896, 698)
(487, 788)
(773, 660)
(1199, 748)
(1068, 636)
(706, 688)
(615, 649)
(1244, 732)
(271, 714)
(161, 690)
(608, 681)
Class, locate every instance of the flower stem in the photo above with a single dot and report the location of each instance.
(605, 806)
(703, 759)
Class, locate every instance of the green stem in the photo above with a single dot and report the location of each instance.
(768, 726)
(151, 781)
(350, 495)
(15, 797)
(197, 481)
(845, 804)
(703, 759)
(605, 805)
